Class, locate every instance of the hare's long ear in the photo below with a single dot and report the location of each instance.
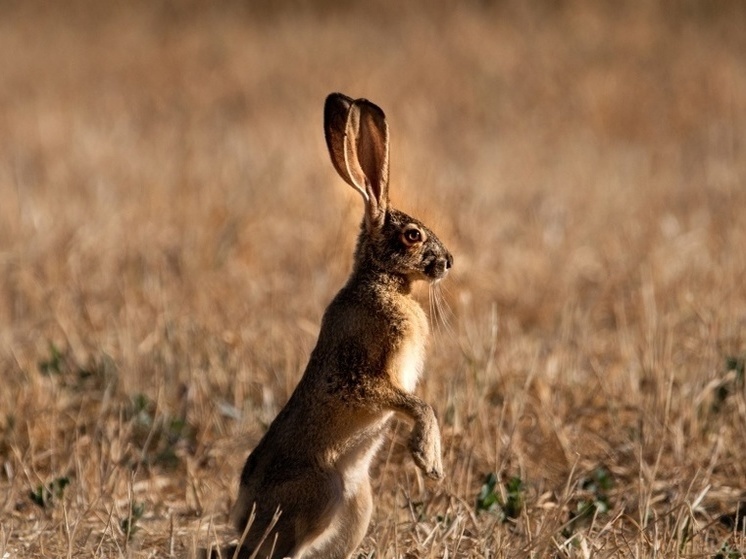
(336, 108)
(359, 149)
(367, 157)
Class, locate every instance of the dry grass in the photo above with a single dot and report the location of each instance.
(171, 230)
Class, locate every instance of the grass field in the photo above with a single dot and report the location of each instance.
(171, 230)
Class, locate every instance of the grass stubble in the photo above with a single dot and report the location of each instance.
(171, 231)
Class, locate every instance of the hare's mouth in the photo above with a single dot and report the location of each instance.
(437, 268)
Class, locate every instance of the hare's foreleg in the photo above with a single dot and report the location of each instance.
(424, 442)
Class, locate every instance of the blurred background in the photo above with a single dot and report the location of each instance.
(171, 230)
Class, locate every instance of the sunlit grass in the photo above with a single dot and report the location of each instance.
(171, 230)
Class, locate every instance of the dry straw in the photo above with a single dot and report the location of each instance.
(170, 232)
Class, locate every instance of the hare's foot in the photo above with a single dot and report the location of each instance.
(424, 445)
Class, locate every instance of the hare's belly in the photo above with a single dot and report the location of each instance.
(354, 465)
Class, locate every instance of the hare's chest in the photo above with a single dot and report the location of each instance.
(408, 366)
(409, 357)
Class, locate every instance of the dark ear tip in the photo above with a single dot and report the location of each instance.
(370, 108)
(338, 95)
(338, 101)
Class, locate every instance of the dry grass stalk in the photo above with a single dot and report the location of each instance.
(170, 232)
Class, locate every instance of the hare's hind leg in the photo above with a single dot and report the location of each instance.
(307, 505)
(347, 528)
(311, 504)
(290, 537)
(356, 518)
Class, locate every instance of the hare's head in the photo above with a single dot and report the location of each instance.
(390, 242)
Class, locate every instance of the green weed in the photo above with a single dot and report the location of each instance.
(731, 383)
(129, 524)
(727, 551)
(45, 495)
(595, 501)
(158, 435)
(490, 498)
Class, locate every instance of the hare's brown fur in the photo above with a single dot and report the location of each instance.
(313, 462)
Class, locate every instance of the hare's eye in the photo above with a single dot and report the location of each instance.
(412, 236)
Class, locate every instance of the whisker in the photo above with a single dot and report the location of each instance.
(446, 306)
(446, 312)
(442, 319)
(430, 315)
(441, 311)
(434, 314)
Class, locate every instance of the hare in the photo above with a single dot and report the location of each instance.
(304, 491)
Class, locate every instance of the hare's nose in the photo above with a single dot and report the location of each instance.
(449, 261)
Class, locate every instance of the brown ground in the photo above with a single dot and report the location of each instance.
(171, 230)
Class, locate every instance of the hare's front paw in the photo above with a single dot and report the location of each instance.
(425, 447)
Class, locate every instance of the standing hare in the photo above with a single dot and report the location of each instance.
(309, 473)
